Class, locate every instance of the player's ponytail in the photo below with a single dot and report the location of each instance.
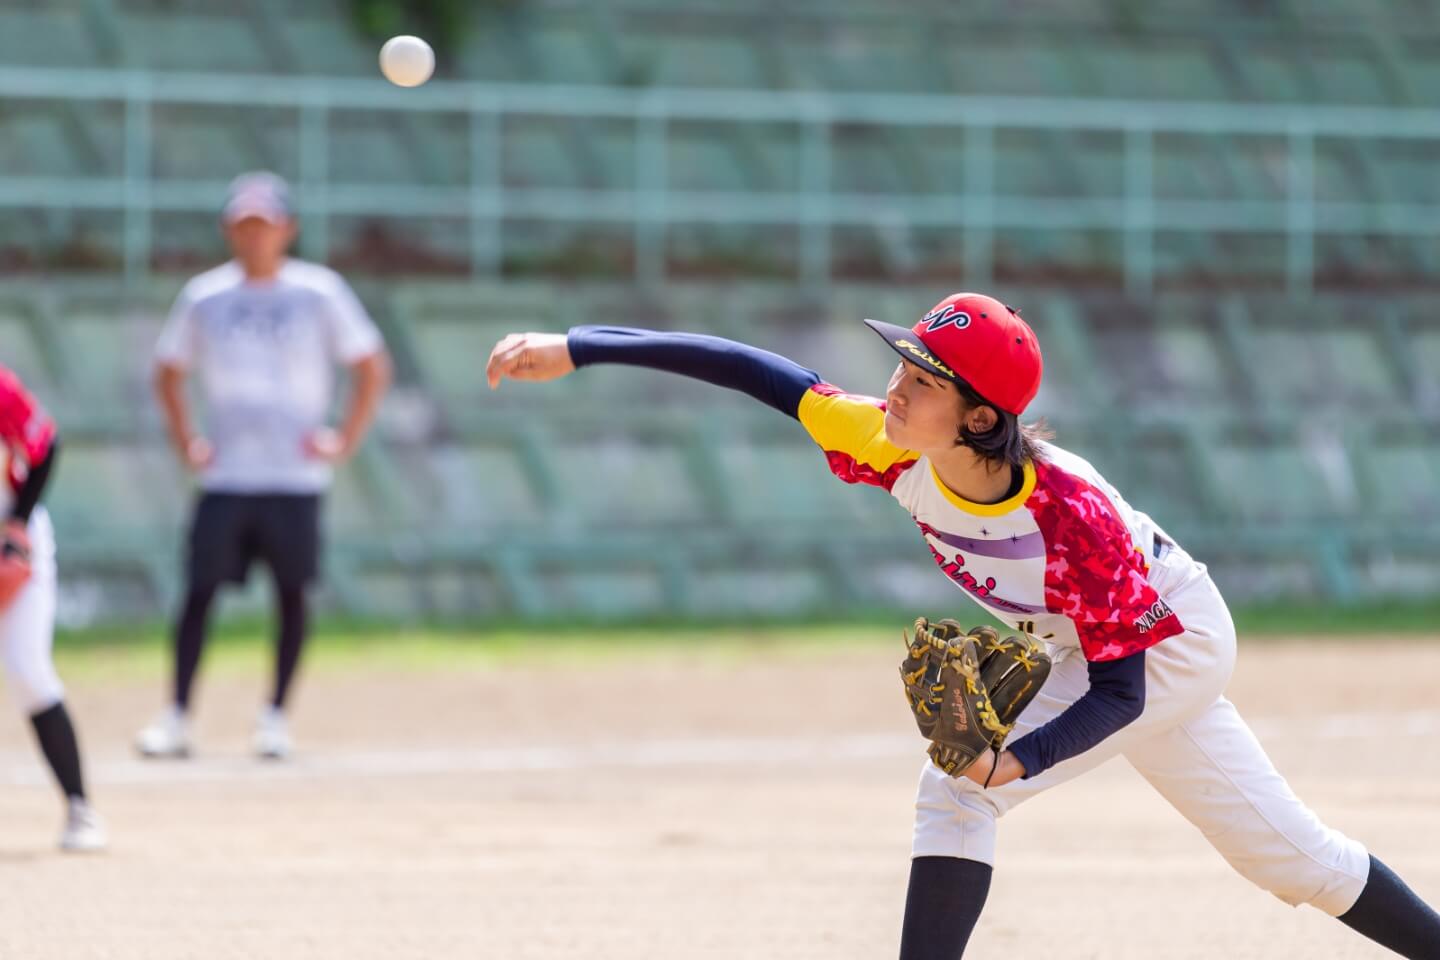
(1009, 442)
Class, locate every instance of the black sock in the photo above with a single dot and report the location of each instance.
(291, 611)
(190, 640)
(57, 741)
(1390, 913)
(943, 902)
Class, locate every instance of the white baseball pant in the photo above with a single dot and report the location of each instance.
(27, 627)
(1190, 743)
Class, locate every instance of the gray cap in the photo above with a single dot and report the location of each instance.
(261, 194)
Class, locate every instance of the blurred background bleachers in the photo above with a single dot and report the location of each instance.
(1221, 219)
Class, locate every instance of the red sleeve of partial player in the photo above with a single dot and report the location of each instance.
(1094, 573)
(25, 427)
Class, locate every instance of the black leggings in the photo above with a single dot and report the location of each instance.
(291, 614)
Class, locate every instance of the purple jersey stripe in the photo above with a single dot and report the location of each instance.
(1028, 547)
(1009, 606)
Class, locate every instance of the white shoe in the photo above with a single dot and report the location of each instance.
(272, 735)
(168, 736)
(84, 830)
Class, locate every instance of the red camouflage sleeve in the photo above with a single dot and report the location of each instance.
(1094, 573)
(25, 428)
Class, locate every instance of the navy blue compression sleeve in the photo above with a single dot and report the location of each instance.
(766, 376)
(1115, 698)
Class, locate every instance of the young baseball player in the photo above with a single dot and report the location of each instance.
(27, 603)
(264, 333)
(1141, 641)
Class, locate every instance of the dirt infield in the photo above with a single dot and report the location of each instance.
(614, 812)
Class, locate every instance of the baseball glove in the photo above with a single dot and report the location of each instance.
(966, 688)
(14, 563)
(1013, 670)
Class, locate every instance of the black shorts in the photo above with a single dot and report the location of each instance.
(230, 530)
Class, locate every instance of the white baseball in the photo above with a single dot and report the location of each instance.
(407, 61)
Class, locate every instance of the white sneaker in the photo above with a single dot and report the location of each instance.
(272, 735)
(84, 830)
(168, 736)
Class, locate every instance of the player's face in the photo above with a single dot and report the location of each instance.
(260, 244)
(922, 412)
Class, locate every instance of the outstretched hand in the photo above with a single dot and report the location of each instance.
(529, 356)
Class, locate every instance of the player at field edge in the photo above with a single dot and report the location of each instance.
(27, 620)
(1142, 642)
(264, 333)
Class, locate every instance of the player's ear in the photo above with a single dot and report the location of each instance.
(979, 419)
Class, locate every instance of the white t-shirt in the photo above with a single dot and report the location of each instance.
(266, 354)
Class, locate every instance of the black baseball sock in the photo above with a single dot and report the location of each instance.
(190, 640)
(943, 903)
(291, 610)
(57, 741)
(1390, 913)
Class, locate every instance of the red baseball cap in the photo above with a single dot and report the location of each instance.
(977, 339)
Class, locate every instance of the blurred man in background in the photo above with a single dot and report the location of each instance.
(264, 332)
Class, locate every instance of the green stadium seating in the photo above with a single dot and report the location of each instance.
(478, 490)
(328, 50)
(210, 37)
(1276, 480)
(111, 491)
(1252, 55)
(188, 242)
(989, 68)
(1402, 482)
(108, 361)
(733, 156)
(1421, 341)
(20, 353)
(1163, 357)
(1221, 405)
(396, 148)
(625, 482)
(703, 58)
(1166, 67)
(872, 160)
(44, 37)
(786, 486)
(216, 143)
(748, 590)
(50, 138)
(1324, 359)
(621, 490)
(576, 47)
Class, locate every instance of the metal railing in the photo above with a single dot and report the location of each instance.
(652, 206)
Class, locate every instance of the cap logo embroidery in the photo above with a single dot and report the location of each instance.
(924, 355)
(945, 316)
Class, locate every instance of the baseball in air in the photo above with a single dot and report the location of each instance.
(407, 61)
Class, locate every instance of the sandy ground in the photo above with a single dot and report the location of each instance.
(610, 810)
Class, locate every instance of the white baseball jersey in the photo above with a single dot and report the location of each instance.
(266, 353)
(1066, 555)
